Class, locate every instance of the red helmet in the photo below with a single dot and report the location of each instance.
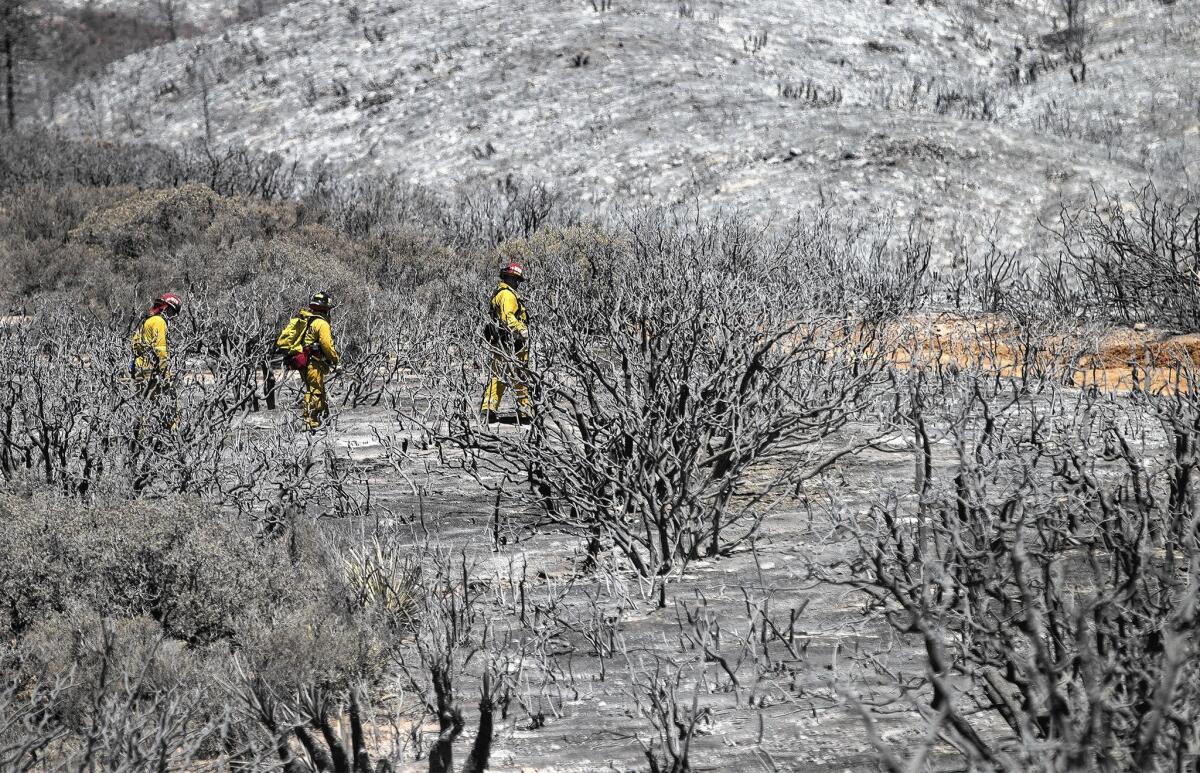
(513, 270)
(168, 302)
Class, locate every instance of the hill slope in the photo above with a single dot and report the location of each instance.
(951, 110)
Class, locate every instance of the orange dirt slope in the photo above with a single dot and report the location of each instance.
(1115, 359)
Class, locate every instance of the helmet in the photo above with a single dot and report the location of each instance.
(321, 301)
(513, 270)
(169, 302)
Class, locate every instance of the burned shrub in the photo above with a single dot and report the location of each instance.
(1048, 584)
(1137, 260)
(695, 359)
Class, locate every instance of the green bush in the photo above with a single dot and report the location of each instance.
(161, 220)
(40, 211)
(183, 565)
(78, 645)
(137, 627)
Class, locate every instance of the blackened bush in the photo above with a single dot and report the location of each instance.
(663, 392)
(1055, 608)
(1137, 260)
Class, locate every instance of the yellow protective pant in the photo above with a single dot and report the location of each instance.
(159, 402)
(316, 404)
(149, 377)
(507, 373)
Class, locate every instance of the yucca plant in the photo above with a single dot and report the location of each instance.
(380, 578)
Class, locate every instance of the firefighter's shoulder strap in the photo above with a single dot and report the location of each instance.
(139, 330)
(493, 306)
(495, 332)
(291, 338)
(140, 326)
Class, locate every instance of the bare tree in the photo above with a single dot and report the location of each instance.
(1075, 36)
(1074, 12)
(454, 637)
(657, 694)
(200, 73)
(16, 26)
(169, 13)
(659, 394)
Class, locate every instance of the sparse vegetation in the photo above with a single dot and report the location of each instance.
(734, 424)
(810, 93)
(892, 468)
(990, 81)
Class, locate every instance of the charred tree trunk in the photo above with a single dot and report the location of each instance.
(450, 723)
(362, 760)
(10, 76)
(481, 751)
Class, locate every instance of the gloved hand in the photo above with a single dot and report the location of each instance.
(520, 341)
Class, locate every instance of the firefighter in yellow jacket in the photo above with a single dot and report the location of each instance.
(507, 334)
(150, 368)
(307, 344)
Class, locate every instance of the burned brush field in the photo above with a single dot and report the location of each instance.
(796, 497)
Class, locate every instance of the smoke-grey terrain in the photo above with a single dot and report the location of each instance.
(861, 433)
(957, 114)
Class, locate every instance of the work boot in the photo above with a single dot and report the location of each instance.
(488, 416)
(525, 417)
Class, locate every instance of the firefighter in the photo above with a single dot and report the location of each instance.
(150, 367)
(507, 335)
(307, 345)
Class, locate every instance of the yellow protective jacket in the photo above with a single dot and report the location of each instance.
(309, 331)
(508, 311)
(149, 344)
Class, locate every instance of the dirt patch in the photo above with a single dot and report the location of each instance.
(1119, 359)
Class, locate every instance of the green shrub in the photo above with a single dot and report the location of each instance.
(183, 565)
(79, 644)
(585, 246)
(161, 220)
(40, 211)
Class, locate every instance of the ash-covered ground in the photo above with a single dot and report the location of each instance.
(980, 117)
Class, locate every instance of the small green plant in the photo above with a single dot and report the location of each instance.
(380, 578)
